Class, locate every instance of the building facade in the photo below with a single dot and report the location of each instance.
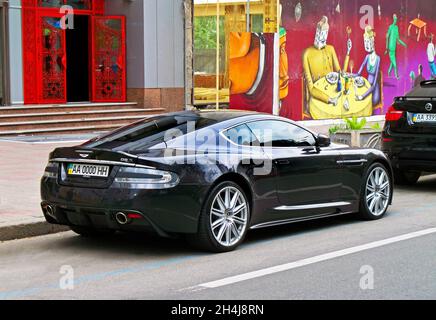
(312, 59)
(167, 54)
(73, 51)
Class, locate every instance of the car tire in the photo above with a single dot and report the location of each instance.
(375, 195)
(224, 219)
(406, 178)
(90, 232)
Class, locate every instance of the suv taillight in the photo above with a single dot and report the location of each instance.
(394, 114)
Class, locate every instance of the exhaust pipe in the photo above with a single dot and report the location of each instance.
(122, 218)
(50, 211)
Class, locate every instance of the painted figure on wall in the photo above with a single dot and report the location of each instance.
(372, 63)
(284, 65)
(320, 60)
(431, 53)
(392, 40)
(420, 78)
(251, 71)
(247, 55)
(360, 90)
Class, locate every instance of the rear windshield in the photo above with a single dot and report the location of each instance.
(143, 135)
(423, 91)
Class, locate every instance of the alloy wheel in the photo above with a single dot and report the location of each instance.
(229, 216)
(378, 190)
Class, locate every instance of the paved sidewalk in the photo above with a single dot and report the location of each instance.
(21, 168)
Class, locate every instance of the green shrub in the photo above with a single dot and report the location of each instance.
(376, 127)
(355, 124)
(335, 129)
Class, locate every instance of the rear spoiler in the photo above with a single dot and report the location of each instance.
(406, 99)
(428, 83)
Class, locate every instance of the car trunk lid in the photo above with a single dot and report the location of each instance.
(413, 115)
(92, 162)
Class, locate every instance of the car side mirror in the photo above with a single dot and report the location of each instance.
(323, 141)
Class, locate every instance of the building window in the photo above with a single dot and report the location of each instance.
(76, 4)
(205, 48)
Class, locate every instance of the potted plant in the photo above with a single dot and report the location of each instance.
(356, 133)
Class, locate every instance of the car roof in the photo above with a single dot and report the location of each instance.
(228, 118)
(217, 115)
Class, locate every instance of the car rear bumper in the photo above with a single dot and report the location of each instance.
(97, 218)
(410, 152)
(167, 211)
(413, 164)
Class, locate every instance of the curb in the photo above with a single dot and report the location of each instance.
(29, 230)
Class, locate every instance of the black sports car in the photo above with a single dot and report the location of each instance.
(409, 136)
(211, 176)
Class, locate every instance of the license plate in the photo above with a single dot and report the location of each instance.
(87, 170)
(424, 117)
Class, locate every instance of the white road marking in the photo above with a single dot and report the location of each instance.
(312, 260)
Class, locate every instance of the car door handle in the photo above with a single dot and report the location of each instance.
(356, 162)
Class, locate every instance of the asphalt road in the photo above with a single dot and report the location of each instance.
(338, 258)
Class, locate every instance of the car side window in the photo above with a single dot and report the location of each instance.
(241, 136)
(281, 134)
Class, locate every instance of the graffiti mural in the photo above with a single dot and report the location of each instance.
(352, 57)
(251, 71)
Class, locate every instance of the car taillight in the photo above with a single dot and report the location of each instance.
(51, 170)
(394, 114)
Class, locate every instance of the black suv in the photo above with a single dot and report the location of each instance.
(409, 136)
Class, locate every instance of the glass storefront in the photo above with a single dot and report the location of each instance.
(214, 23)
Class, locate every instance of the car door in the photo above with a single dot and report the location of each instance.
(308, 179)
(353, 166)
(109, 59)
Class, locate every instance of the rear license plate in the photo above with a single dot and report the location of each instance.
(424, 118)
(87, 170)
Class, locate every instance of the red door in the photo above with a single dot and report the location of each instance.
(52, 60)
(108, 59)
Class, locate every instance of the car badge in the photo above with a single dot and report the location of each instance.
(84, 154)
(429, 107)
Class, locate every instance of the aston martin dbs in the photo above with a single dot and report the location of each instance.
(211, 176)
